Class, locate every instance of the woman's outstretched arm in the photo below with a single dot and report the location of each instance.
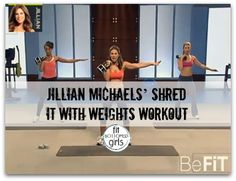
(64, 60)
(129, 65)
(202, 66)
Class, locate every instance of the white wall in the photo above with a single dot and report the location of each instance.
(147, 38)
(219, 39)
(164, 40)
(64, 38)
(82, 40)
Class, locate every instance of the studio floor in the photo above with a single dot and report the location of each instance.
(22, 155)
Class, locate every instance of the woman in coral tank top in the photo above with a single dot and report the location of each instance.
(48, 67)
(116, 71)
(49, 64)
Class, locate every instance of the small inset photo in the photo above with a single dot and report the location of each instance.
(24, 17)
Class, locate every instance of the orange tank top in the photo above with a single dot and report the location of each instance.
(50, 69)
(116, 75)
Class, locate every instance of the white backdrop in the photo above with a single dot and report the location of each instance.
(219, 39)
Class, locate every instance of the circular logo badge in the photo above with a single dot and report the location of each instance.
(116, 138)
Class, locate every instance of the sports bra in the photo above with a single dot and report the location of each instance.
(49, 68)
(188, 63)
(116, 74)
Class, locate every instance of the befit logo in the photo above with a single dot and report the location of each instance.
(205, 163)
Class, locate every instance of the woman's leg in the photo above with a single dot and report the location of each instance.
(122, 104)
(43, 93)
(40, 104)
(42, 97)
(194, 108)
(191, 90)
(103, 122)
(102, 129)
(179, 85)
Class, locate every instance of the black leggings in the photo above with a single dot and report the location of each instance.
(191, 91)
(49, 79)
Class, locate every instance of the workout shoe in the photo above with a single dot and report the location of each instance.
(192, 117)
(196, 117)
(100, 141)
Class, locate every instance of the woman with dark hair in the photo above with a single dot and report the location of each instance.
(185, 64)
(48, 66)
(19, 19)
(116, 71)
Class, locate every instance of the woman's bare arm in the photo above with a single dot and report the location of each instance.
(129, 65)
(202, 66)
(106, 74)
(180, 64)
(64, 60)
(41, 65)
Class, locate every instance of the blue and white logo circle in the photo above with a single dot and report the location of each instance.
(116, 138)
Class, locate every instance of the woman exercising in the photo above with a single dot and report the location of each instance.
(116, 72)
(185, 64)
(48, 66)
